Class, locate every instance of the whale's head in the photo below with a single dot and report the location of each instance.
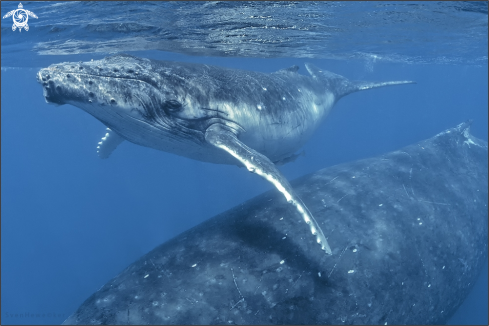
(114, 84)
(138, 98)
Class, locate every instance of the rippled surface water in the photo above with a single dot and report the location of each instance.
(410, 31)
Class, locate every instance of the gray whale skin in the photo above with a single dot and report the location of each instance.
(410, 233)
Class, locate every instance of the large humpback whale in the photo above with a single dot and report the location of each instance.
(205, 112)
(410, 234)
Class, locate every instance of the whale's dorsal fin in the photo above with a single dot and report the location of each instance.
(108, 143)
(341, 86)
(293, 68)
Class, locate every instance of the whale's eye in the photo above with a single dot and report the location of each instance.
(172, 106)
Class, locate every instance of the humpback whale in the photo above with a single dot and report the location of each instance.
(204, 112)
(410, 233)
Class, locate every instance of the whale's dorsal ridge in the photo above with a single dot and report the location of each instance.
(321, 74)
(293, 69)
(341, 86)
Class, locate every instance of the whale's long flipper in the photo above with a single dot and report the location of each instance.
(108, 143)
(223, 138)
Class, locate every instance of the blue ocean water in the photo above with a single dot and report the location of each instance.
(70, 221)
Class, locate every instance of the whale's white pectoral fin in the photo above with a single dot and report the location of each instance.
(223, 138)
(108, 143)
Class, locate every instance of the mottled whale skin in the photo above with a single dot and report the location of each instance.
(169, 105)
(411, 233)
(204, 112)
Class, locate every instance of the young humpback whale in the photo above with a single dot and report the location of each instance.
(204, 112)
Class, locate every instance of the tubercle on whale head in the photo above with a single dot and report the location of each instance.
(107, 87)
(83, 81)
